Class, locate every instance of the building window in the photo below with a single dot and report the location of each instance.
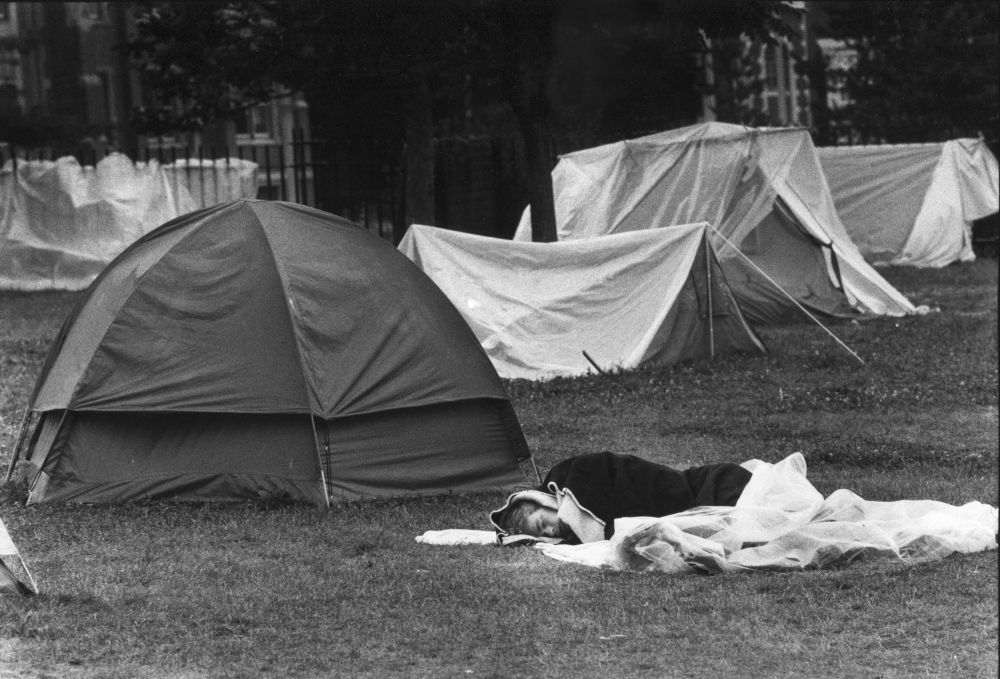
(8, 66)
(94, 11)
(255, 125)
(787, 58)
(771, 67)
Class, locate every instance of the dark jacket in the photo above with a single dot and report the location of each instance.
(613, 486)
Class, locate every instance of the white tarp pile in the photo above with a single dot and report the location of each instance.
(913, 204)
(61, 223)
(763, 189)
(211, 182)
(648, 297)
(781, 522)
(14, 575)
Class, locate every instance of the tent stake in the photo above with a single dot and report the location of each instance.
(596, 367)
(794, 301)
(25, 421)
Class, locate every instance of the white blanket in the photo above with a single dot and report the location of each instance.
(781, 522)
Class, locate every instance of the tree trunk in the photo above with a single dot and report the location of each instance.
(419, 152)
(538, 155)
(529, 51)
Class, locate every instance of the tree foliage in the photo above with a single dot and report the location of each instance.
(924, 71)
(547, 62)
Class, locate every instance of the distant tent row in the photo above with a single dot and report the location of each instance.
(61, 223)
(913, 204)
(542, 310)
(764, 192)
(265, 349)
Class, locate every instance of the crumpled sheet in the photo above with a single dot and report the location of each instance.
(781, 522)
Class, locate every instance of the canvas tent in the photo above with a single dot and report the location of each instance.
(61, 223)
(648, 297)
(15, 578)
(266, 349)
(912, 204)
(764, 192)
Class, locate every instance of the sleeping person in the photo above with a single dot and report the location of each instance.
(582, 496)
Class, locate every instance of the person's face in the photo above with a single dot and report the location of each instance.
(545, 523)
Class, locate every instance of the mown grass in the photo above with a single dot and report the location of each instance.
(261, 590)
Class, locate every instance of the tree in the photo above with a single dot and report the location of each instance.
(216, 59)
(528, 68)
(923, 71)
(210, 61)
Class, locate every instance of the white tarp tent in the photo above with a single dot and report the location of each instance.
(211, 182)
(912, 204)
(648, 297)
(763, 190)
(14, 575)
(61, 223)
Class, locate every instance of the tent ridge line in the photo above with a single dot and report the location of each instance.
(289, 292)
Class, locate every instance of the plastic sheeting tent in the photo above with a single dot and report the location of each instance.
(763, 190)
(781, 522)
(234, 352)
(61, 223)
(15, 578)
(210, 182)
(913, 204)
(649, 297)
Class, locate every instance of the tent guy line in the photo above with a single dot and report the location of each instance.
(794, 301)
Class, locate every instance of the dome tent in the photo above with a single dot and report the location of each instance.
(260, 348)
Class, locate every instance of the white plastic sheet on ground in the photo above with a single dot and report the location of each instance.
(626, 300)
(781, 522)
(913, 204)
(61, 223)
(763, 189)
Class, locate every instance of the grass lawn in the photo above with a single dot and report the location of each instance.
(253, 590)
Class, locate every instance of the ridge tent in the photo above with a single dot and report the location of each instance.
(61, 223)
(648, 297)
(15, 578)
(762, 189)
(913, 204)
(266, 349)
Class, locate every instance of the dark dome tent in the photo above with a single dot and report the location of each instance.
(267, 349)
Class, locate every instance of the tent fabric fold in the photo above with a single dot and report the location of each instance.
(913, 204)
(231, 353)
(544, 310)
(761, 189)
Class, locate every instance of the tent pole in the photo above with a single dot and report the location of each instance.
(533, 466)
(319, 458)
(708, 271)
(25, 422)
